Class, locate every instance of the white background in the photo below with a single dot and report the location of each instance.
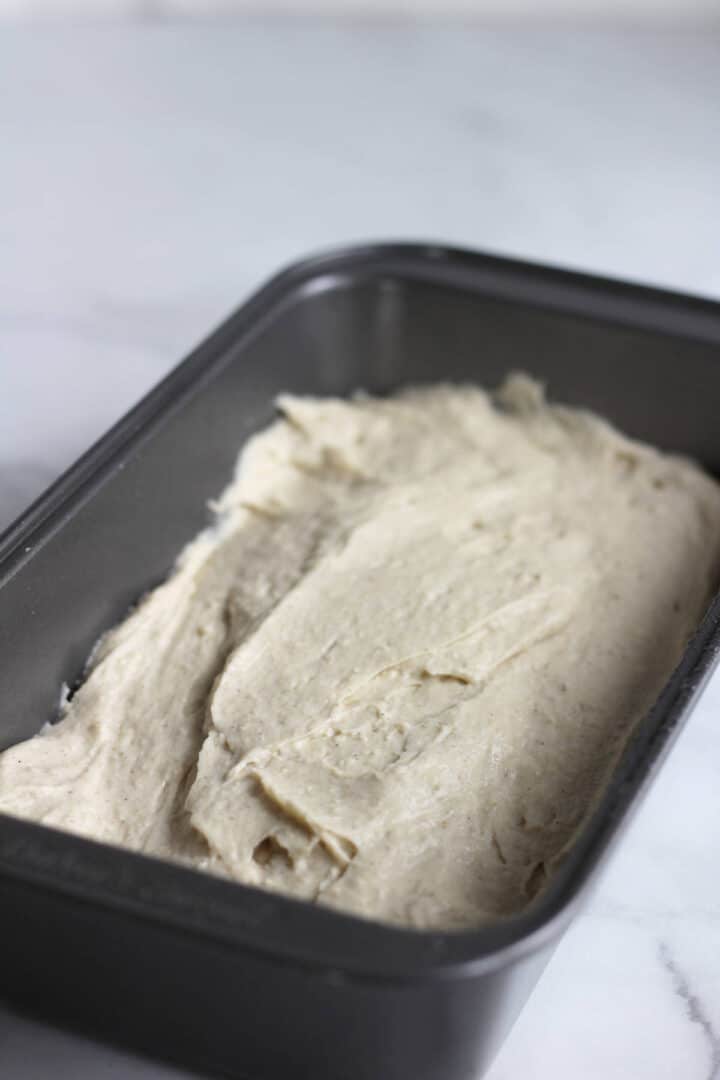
(586, 10)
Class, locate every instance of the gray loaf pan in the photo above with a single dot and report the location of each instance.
(221, 978)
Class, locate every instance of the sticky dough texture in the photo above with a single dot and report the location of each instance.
(397, 673)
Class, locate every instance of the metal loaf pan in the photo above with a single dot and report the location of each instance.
(226, 979)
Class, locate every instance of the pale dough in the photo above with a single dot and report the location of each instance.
(396, 674)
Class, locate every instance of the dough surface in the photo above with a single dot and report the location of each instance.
(396, 674)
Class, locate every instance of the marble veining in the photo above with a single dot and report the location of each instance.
(695, 1009)
(152, 175)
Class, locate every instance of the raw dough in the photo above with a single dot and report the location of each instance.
(397, 672)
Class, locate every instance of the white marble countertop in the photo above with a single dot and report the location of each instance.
(152, 174)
